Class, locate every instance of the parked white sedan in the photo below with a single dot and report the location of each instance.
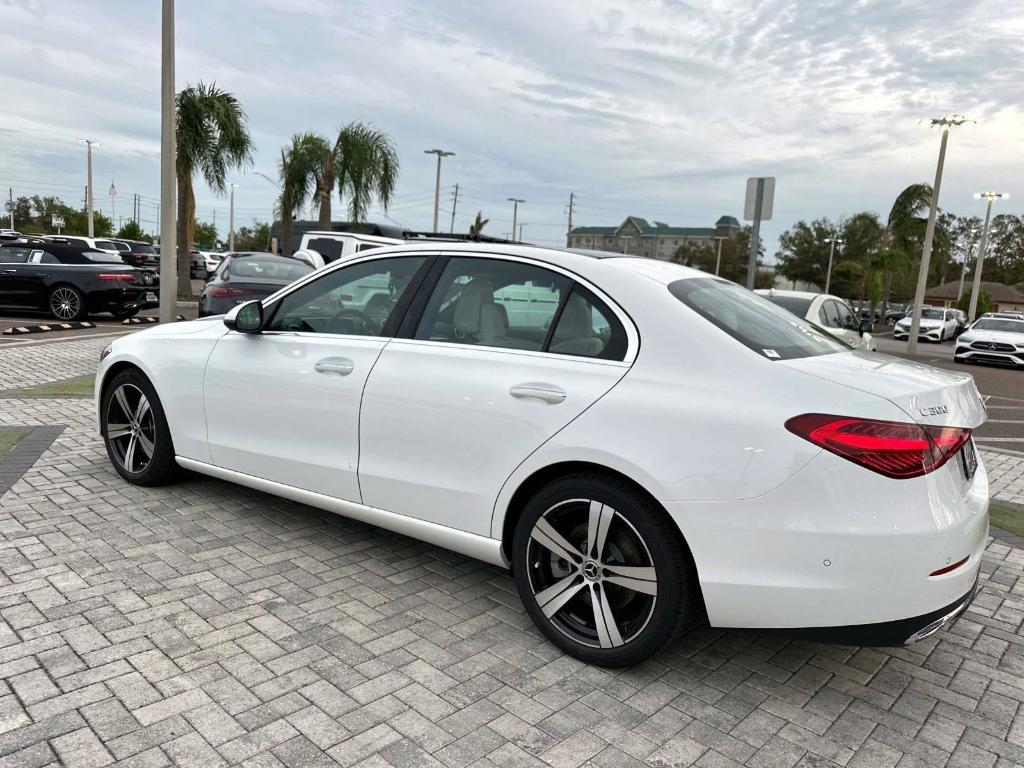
(645, 444)
(936, 325)
(830, 312)
(992, 340)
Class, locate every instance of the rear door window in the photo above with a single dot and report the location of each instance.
(14, 255)
(753, 321)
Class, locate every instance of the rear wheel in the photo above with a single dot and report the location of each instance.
(602, 570)
(135, 430)
(67, 303)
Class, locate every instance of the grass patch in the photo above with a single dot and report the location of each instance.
(1009, 517)
(81, 386)
(9, 437)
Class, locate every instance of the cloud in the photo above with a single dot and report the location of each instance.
(650, 107)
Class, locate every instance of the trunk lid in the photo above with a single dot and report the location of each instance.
(927, 395)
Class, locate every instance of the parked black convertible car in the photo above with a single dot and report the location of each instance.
(69, 282)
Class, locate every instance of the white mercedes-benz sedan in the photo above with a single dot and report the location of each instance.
(992, 340)
(641, 443)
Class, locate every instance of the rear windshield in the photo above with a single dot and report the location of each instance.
(257, 270)
(994, 324)
(794, 304)
(142, 248)
(100, 257)
(754, 321)
(106, 245)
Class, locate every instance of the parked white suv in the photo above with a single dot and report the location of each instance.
(321, 248)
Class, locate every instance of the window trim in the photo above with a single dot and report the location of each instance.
(412, 319)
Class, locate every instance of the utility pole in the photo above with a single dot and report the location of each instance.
(991, 197)
(831, 256)
(568, 235)
(963, 268)
(455, 203)
(231, 219)
(437, 184)
(10, 196)
(521, 231)
(168, 231)
(926, 252)
(89, 143)
(718, 258)
(515, 212)
(113, 196)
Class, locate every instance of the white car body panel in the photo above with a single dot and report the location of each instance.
(783, 533)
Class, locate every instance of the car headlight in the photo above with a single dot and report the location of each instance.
(106, 352)
(965, 339)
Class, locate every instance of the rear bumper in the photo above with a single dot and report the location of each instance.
(839, 553)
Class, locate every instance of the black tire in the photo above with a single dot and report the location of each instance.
(134, 434)
(637, 534)
(66, 303)
(124, 314)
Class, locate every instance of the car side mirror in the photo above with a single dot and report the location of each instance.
(245, 318)
(865, 327)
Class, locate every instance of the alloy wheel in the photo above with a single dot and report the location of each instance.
(131, 428)
(65, 304)
(591, 573)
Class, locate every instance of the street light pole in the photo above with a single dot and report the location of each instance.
(437, 184)
(515, 212)
(926, 252)
(231, 219)
(89, 143)
(718, 258)
(831, 256)
(168, 179)
(963, 267)
(991, 197)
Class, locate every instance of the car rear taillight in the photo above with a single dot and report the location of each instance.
(124, 276)
(222, 291)
(891, 448)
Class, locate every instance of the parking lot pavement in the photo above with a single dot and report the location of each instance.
(1002, 388)
(207, 624)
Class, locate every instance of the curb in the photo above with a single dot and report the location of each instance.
(144, 320)
(46, 328)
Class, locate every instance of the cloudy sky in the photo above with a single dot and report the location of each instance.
(658, 108)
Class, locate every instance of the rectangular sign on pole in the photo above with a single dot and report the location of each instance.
(56, 221)
(767, 199)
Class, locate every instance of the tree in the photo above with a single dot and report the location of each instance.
(131, 231)
(253, 238)
(803, 251)
(296, 171)
(34, 215)
(213, 138)
(361, 163)
(204, 235)
(984, 302)
(477, 227)
(735, 258)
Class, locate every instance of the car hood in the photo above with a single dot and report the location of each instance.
(927, 395)
(1004, 337)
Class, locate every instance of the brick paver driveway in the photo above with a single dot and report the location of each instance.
(205, 624)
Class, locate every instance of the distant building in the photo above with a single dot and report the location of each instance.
(637, 237)
(1005, 298)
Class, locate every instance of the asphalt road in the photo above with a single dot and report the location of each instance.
(1003, 389)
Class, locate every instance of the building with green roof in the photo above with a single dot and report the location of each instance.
(656, 239)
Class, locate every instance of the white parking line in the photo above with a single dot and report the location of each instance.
(1005, 421)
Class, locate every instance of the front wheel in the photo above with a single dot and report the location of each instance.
(135, 430)
(602, 570)
(67, 303)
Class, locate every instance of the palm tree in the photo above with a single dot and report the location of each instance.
(296, 173)
(362, 163)
(476, 228)
(212, 139)
(903, 236)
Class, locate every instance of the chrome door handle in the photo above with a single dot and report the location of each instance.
(341, 366)
(9, 272)
(546, 392)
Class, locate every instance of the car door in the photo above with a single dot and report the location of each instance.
(283, 404)
(16, 277)
(499, 355)
(849, 327)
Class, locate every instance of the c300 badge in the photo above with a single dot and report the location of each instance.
(935, 410)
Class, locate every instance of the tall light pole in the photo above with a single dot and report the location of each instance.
(515, 212)
(231, 219)
(944, 123)
(831, 256)
(991, 197)
(168, 179)
(437, 184)
(89, 144)
(718, 258)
